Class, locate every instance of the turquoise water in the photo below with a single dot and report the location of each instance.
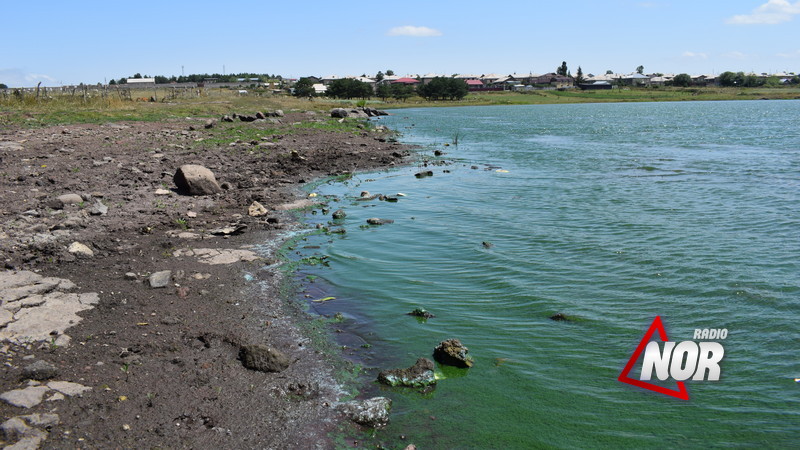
(611, 214)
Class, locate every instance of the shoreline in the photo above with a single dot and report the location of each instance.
(160, 367)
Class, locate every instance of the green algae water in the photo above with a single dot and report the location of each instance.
(611, 214)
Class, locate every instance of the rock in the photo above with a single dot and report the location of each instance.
(261, 115)
(76, 248)
(162, 192)
(339, 214)
(423, 174)
(54, 203)
(559, 317)
(421, 312)
(160, 279)
(209, 124)
(131, 276)
(249, 118)
(41, 420)
(194, 179)
(98, 209)
(68, 388)
(263, 358)
(339, 113)
(418, 375)
(277, 113)
(378, 221)
(373, 412)
(452, 353)
(230, 230)
(40, 370)
(487, 244)
(70, 199)
(25, 398)
(227, 118)
(257, 210)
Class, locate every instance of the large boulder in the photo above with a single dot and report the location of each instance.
(418, 375)
(339, 113)
(452, 353)
(193, 179)
(373, 412)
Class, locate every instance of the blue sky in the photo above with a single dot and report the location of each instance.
(60, 42)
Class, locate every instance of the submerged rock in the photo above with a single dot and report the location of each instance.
(378, 221)
(339, 214)
(418, 375)
(421, 312)
(559, 317)
(373, 412)
(453, 353)
(423, 174)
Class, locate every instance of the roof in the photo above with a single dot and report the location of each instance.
(474, 82)
(405, 80)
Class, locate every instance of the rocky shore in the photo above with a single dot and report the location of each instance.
(126, 318)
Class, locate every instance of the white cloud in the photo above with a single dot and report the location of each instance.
(770, 13)
(735, 55)
(410, 30)
(694, 55)
(36, 77)
(20, 78)
(792, 55)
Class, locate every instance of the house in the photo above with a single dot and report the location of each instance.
(142, 81)
(406, 80)
(636, 79)
(553, 79)
(319, 88)
(465, 77)
(475, 85)
(329, 79)
(491, 78)
(388, 79)
(425, 79)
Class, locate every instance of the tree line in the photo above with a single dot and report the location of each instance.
(439, 88)
(201, 77)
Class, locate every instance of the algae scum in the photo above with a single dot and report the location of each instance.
(608, 214)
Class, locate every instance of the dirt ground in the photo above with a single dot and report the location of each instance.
(161, 367)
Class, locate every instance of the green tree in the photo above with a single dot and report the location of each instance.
(562, 70)
(579, 76)
(161, 79)
(349, 88)
(727, 79)
(390, 73)
(640, 70)
(441, 88)
(609, 72)
(682, 80)
(304, 87)
(384, 91)
(379, 76)
(401, 91)
(4, 86)
(112, 82)
(137, 75)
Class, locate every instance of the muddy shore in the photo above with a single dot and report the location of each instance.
(94, 355)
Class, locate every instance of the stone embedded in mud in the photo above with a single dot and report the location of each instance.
(263, 358)
(418, 375)
(76, 248)
(70, 199)
(256, 209)
(452, 353)
(40, 370)
(373, 412)
(160, 279)
(194, 179)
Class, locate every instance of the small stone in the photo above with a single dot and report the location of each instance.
(162, 192)
(257, 210)
(76, 248)
(160, 279)
(263, 358)
(191, 214)
(209, 124)
(98, 209)
(339, 214)
(131, 276)
(40, 370)
(70, 199)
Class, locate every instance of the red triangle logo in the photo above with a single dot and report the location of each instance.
(624, 377)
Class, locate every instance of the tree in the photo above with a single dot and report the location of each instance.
(137, 75)
(609, 72)
(384, 91)
(682, 80)
(579, 76)
(304, 88)
(441, 88)
(379, 76)
(401, 91)
(640, 70)
(727, 79)
(562, 70)
(390, 73)
(112, 82)
(349, 88)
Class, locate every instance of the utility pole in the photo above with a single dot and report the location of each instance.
(182, 74)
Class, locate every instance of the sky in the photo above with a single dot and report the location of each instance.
(68, 42)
